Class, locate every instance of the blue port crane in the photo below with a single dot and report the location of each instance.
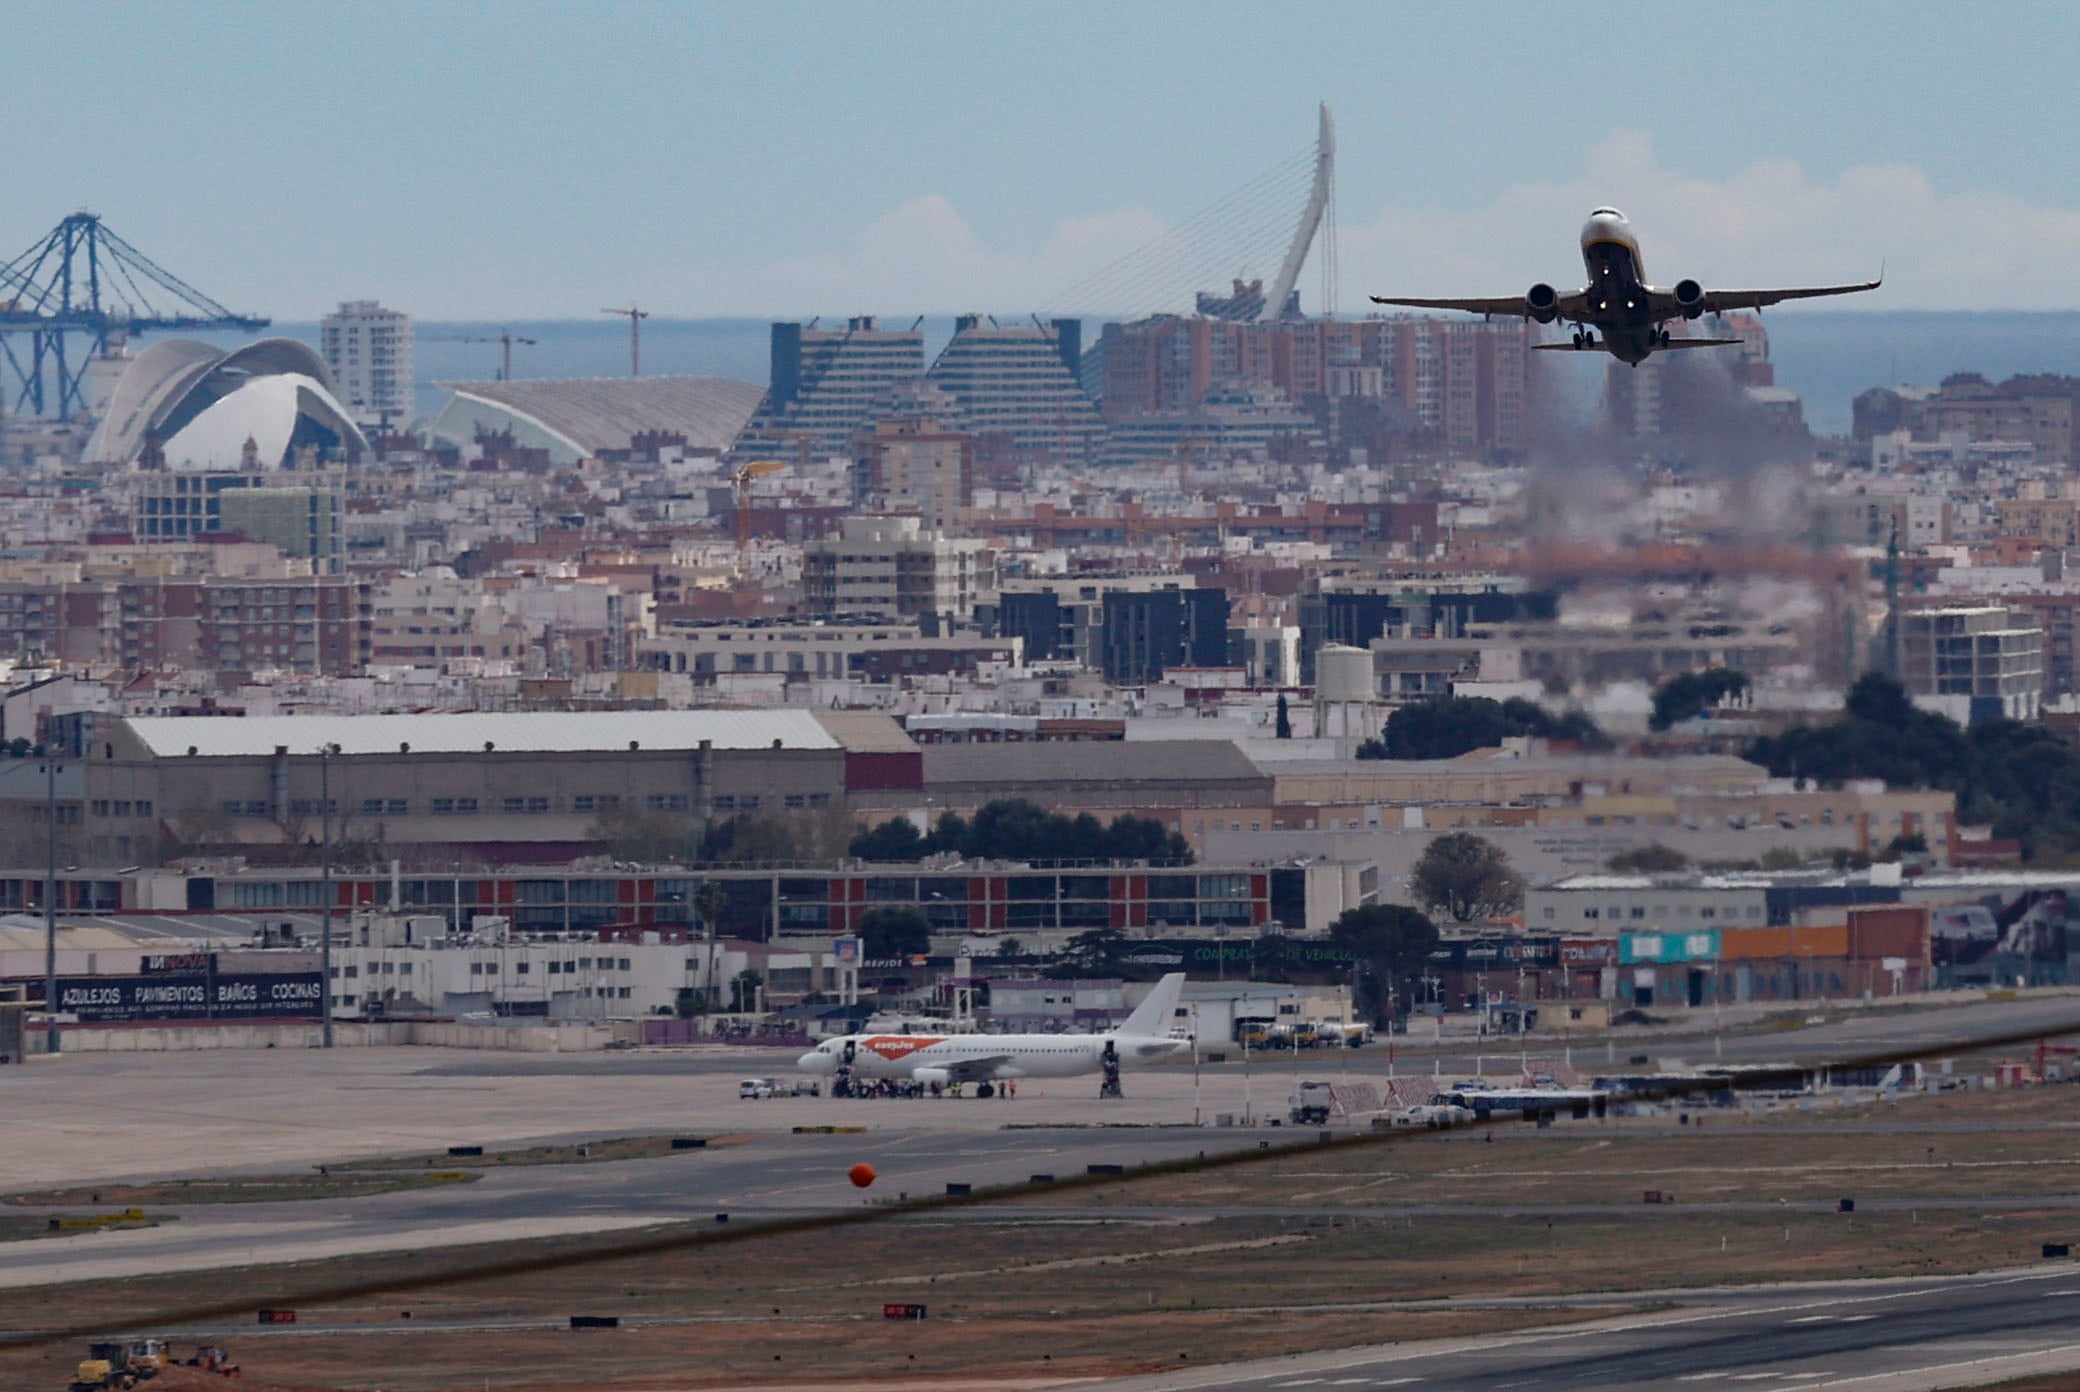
(84, 281)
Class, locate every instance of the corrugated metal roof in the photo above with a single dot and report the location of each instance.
(596, 414)
(867, 732)
(547, 732)
(1076, 761)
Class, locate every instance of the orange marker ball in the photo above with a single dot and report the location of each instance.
(861, 1174)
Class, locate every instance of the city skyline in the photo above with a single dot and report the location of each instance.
(795, 160)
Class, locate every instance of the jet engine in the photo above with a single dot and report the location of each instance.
(1542, 302)
(1689, 298)
(931, 1076)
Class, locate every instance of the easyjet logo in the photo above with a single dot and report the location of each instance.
(895, 1046)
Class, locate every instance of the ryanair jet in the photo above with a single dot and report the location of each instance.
(1617, 312)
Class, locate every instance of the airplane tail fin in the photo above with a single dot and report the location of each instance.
(1152, 1018)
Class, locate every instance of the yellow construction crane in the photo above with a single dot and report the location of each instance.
(505, 338)
(635, 317)
(740, 486)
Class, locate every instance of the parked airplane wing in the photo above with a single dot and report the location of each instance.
(975, 1070)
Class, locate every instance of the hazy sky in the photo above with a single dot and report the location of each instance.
(536, 160)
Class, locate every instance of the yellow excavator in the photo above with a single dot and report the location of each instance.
(120, 1363)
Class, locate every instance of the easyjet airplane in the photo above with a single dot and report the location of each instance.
(979, 1058)
(1617, 311)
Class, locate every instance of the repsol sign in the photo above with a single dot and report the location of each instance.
(239, 997)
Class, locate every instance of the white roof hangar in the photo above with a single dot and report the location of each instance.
(577, 419)
(202, 403)
(562, 732)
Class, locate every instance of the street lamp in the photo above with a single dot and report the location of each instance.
(325, 753)
(50, 903)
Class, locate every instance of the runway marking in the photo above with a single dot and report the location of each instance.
(1966, 1363)
(1302, 1382)
(2070, 1290)
(1704, 1377)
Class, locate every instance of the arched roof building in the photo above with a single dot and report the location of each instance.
(201, 404)
(578, 419)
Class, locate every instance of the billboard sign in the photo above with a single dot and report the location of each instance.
(243, 996)
(1700, 946)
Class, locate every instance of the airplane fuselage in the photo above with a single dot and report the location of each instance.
(1622, 310)
(1019, 1055)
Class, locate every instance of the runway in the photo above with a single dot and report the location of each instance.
(1866, 1336)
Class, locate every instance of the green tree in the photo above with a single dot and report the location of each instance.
(1284, 727)
(743, 991)
(1394, 942)
(1687, 695)
(647, 838)
(1094, 953)
(1016, 829)
(894, 932)
(707, 899)
(751, 839)
(1010, 947)
(1466, 878)
(896, 839)
(1651, 859)
(1444, 727)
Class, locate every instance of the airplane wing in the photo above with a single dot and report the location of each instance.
(1572, 305)
(974, 1070)
(1719, 301)
(1661, 348)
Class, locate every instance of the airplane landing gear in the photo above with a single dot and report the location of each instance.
(1109, 1062)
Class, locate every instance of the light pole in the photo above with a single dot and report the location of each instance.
(325, 754)
(50, 903)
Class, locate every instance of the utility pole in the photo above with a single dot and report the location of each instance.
(635, 317)
(50, 902)
(325, 754)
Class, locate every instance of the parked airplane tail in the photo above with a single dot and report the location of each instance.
(1152, 1017)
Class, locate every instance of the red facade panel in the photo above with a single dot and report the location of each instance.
(902, 770)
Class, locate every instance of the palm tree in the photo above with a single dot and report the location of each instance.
(707, 900)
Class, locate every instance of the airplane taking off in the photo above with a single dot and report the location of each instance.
(1617, 311)
(1144, 1037)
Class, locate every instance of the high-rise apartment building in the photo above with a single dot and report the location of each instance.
(370, 351)
(1020, 382)
(889, 567)
(1463, 382)
(300, 512)
(828, 383)
(1973, 663)
(916, 460)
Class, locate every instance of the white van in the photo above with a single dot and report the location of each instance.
(754, 1088)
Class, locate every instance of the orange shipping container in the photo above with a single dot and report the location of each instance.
(1761, 944)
